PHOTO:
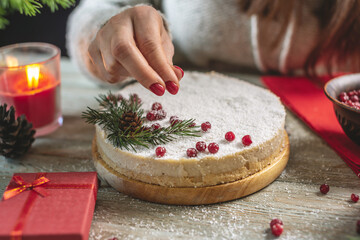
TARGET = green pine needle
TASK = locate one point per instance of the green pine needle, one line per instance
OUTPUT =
(111, 110)
(29, 7)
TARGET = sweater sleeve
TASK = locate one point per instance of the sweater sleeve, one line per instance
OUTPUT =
(84, 23)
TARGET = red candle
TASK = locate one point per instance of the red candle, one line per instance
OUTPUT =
(30, 81)
(33, 91)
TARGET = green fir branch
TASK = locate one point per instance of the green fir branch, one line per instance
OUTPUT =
(29, 7)
(112, 108)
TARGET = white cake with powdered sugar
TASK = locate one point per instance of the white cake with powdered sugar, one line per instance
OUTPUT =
(228, 104)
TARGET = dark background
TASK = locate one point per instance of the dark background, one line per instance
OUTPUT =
(47, 27)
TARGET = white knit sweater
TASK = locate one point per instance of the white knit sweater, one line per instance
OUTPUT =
(207, 32)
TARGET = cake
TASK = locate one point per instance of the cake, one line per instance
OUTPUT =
(229, 104)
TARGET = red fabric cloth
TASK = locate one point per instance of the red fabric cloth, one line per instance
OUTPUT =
(307, 100)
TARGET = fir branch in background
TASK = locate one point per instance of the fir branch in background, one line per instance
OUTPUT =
(112, 111)
(29, 7)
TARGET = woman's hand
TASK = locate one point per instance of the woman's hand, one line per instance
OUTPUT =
(135, 43)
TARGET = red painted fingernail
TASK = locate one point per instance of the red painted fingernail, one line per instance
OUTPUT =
(172, 87)
(158, 89)
(182, 71)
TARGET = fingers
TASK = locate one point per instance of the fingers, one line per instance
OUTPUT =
(135, 43)
(125, 51)
(149, 41)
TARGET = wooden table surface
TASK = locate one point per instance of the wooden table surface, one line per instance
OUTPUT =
(294, 197)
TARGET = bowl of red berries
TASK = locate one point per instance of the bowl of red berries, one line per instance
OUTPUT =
(344, 92)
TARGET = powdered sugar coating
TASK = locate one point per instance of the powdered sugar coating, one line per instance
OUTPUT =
(227, 103)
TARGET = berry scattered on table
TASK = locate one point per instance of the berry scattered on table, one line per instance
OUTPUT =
(354, 197)
(205, 126)
(156, 106)
(277, 229)
(151, 116)
(160, 151)
(155, 126)
(275, 221)
(230, 136)
(191, 152)
(201, 146)
(246, 140)
(350, 98)
(324, 188)
(213, 148)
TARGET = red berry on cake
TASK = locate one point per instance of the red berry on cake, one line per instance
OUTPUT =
(275, 221)
(354, 197)
(135, 98)
(160, 151)
(324, 188)
(201, 146)
(151, 116)
(191, 152)
(205, 126)
(277, 229)
(155, 126)
(174, 120)
(229, 136)
(156, 106)
(160, 114)
(213, 148)
(246, 140)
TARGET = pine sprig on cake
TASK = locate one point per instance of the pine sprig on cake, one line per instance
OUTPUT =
(123, 120)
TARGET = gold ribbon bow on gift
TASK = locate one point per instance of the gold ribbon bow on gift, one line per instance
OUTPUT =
(36, 186)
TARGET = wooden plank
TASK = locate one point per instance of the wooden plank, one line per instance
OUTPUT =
(294, 196)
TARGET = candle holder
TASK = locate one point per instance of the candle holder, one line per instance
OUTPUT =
(30, 81)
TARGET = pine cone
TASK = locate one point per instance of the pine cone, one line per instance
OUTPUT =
(16, 135)
(130, 122)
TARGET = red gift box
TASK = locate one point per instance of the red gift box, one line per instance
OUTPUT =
(48, 206)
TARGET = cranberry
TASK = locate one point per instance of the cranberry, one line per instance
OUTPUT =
(174, 120)
(135, 98)
(246, 140)
(349, 103)
(201, 146)
(155, 126)
(324, 188)
(205, 126)
(156, 106)
(354, 197)
(275, 221)
(277, 229)
(354, 98)
(191, 152)
(160, 114)
(151, 116)
(350, 98)
(230, 136)
(352, 93)
(213, 148)
(343, 97)
(160, 151)
(358, 226)
(192, 124)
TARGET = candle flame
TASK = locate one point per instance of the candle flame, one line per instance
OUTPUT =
(33, 75)
(11, 61)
